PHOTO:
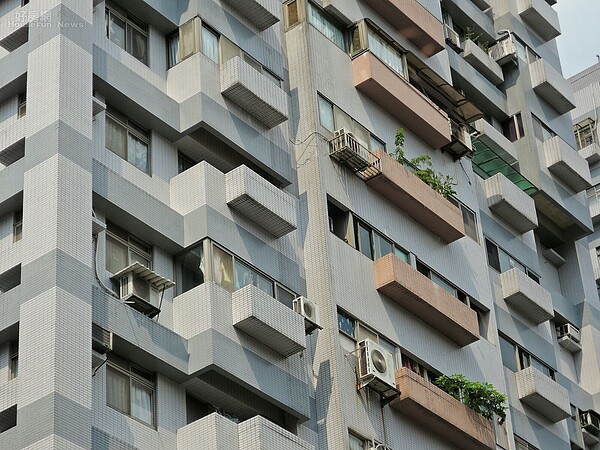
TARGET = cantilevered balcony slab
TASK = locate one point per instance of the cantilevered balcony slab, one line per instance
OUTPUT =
(418, 294)
(510, 203)
(591, 153)
(568, 165)
(260, 201)
(496, 141)
(548, 83)
(441, 413)
(252, 91)
(483, 4)
(397, 96)
(413, 21)
(259, 433)
(540, 16)
(417, 199)
(267, 320)
(526, 296)
(213, 431)
(543, 394)
(262, 13)
(483, 62)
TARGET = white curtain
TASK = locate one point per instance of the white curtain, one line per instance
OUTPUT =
(117, 390)
(384, 51)
(174, 50)
(116, 138)
(137, 153)
(210, 44)
(141, 402)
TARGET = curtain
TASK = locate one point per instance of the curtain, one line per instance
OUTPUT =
(117, 390)
(383, 50)
(321, 23)
(116, 255)
(222, 268)
(137, 43)
(137, 153)
(141, 402)
(116, 30)
(116, 138)
(210, 44)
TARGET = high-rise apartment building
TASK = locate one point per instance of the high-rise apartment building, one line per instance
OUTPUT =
(213, 234)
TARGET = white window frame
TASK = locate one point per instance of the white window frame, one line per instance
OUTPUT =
(133, 245)
(137, 132)
(130, 22)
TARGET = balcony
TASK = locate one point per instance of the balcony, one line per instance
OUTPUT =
(403, 101)
(419, 295)
(482, 4)
(526, 296)
(483, 62)
(591, 153)
(510, 203)
(550, 85)
(260, 201)
(441, 413)
(564, 162)
(413, 21)
(417, 199)
(541, 17)
(268, 321)
(496, 141)
(262, 13)
(252, 91)
(543, 394)
(218, 432)
(347, 150)
(259, 433)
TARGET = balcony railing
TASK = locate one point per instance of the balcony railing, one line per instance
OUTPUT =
(347, 150)
(461, 140)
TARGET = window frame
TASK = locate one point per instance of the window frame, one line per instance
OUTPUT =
(312, 10)
(131, 243)
(524, 359)
(133, 372)
(13, 360)
(17, 225)
(526, 270)
(134, 130)
(130, 22)
(513, 128)
(583, 137)
(21, 105)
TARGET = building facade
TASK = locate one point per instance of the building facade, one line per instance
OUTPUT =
(214, 235)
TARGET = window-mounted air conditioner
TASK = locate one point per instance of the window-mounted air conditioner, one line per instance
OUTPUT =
(452, 38)
(569, 337)
(376, 367)
(310, 311)
(141, 288)
(590, 422)
(102, 340)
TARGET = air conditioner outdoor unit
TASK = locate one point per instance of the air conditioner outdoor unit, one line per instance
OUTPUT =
(141, 288)
(376, 367)
(102, 340)
(504, 51)
(569, 337)
(310, 311)
(590, 422)
(452, 38)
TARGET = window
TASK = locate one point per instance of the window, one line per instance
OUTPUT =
(229, 50)
(22, 108)
(513, 128)
(469, 219)
(522, 444)
(24, 2)
(318, 19)
(184, 43)
(17, 225)
(593, 195)
(501, 261)
(130, 390)
(585, 133)
(291, 13)
(184, 163)
(128, 33)
(226, 270)
(13, 362)
(356, 443)
(123, 250)
(374, 245)
(128, 140)
(333, 118)
(419, 368)
(517, 358)
(10, 279)
(8, 418)
(387, 52)
(541, 131)
(210, 43)
(524, 52)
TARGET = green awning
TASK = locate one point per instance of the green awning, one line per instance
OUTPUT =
(487, 163)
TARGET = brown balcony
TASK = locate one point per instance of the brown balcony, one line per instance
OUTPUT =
(441, 413)
(403, 101)
(413, 21)
(418, 294)
(417, 199)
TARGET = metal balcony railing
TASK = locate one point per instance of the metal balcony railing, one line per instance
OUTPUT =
(346, 149)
